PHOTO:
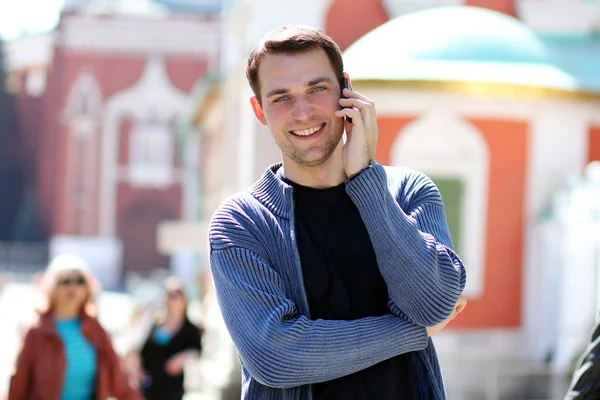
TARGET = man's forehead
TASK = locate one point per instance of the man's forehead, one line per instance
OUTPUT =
(277, 70)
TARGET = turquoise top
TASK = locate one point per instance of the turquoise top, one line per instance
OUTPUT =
(80, 375)
(161, 336)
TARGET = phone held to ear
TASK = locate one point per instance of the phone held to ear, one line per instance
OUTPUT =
(347, 85)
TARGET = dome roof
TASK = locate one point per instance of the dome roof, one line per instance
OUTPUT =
(455, 44)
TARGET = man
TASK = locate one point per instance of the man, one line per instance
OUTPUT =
(331, 271)
(585, 384)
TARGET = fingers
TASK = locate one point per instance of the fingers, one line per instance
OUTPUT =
(461, 304)
(356, 103)
(350, 94)
(357, 118)
(364, 105)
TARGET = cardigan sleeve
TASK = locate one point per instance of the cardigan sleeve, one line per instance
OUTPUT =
(413, 247)
(282, 349)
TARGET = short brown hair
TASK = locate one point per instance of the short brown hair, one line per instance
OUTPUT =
(290, 39)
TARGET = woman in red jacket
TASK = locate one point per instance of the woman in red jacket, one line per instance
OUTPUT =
(66, 354)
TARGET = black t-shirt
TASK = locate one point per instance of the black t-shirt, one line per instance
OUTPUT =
(343, 282)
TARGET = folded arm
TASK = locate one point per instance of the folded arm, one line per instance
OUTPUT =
(281, 349)
(413, 247)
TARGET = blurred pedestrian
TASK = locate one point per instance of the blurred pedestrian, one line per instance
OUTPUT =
(586, 379)
(66, 354)
(173, 341)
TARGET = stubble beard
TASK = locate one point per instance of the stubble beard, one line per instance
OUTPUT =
(334, 136)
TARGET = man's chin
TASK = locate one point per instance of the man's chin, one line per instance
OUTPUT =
(316, 161)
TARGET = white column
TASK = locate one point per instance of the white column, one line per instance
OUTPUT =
(577, 289)
(247, 142)
(557, 149)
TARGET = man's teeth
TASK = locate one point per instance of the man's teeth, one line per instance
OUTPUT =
(307, 132)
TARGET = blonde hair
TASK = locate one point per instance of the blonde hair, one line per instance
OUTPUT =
(68, 263)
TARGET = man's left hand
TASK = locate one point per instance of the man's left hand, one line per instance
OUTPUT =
(361, 133)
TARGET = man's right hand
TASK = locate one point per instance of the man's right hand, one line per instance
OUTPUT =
(458, 308)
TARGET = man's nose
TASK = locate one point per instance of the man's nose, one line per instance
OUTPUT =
(303, 109)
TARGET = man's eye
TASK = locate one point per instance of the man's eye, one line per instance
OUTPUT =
(280, 99)
(320, 88)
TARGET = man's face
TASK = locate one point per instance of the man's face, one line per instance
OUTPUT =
(300, 94)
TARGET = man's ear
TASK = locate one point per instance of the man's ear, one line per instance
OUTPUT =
(258, 111)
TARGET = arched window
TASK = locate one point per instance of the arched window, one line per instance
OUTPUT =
(455, 156)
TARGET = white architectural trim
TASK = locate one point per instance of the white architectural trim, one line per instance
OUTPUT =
(82, 114)
(442, 144)
(557, 151)
(397, 8)
(566, 17)
(183, 36)
(593, 113)
(123, 175)
(153, 98)
(85, 88)
(247, 142)
(398, 102)
(259, 22)
(29, 52)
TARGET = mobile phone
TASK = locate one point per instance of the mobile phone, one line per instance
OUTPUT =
(346, 85)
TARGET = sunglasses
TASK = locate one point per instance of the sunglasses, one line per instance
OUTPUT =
(78, 281)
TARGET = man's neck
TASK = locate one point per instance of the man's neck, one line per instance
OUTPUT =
(327, 175)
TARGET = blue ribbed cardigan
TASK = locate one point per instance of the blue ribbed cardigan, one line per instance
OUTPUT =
(258, 281)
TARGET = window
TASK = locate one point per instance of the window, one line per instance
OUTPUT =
(451, 190)
(150, 155)
(455, 156)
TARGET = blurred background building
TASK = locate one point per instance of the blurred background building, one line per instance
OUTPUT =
(134, 124)
(99, 100)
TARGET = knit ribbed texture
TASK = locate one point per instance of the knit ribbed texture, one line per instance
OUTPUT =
(259, 286)
(412, 244)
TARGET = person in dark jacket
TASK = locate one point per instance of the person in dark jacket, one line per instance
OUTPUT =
(172, 341)
(585, 384)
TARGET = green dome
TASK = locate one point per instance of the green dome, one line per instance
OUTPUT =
(455, 44)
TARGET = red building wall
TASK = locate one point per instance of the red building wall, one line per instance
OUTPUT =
(138, 211)
(113, 73)
(594, 143)
(348, 20)
(504, 6)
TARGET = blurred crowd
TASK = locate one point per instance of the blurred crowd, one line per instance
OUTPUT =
(77, 343)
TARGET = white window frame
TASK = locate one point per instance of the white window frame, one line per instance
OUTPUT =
(444, 145)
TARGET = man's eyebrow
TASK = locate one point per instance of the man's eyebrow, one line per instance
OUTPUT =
(275, 92)
(319, 80)
(313, 82)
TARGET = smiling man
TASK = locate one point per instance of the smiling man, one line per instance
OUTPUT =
(332, 271)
